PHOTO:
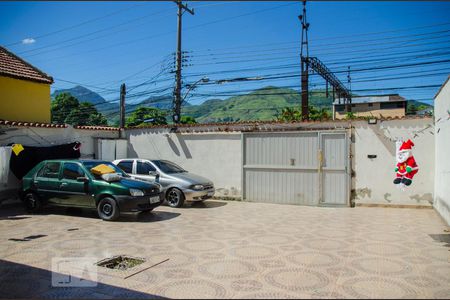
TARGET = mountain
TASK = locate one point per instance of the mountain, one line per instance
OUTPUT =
(262, 104)
(82, 94)
(111, 109)
(419, 105)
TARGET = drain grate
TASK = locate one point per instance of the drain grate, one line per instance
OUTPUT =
(120, 262)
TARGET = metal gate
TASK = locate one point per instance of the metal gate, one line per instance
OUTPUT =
(304, 168)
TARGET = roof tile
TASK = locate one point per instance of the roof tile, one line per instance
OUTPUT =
(50, 125)
(13, 66)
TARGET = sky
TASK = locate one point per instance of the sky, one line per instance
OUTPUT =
(390, 47)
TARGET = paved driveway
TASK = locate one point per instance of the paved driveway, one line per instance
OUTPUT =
(233, 250)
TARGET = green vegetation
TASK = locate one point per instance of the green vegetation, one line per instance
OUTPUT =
(66, 109)
(411, 109)
(187, 120)
(264, 104)
(320, 114)
(289, 114)
(143, 115)
(350, 115)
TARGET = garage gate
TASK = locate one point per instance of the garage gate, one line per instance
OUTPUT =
(304, 168)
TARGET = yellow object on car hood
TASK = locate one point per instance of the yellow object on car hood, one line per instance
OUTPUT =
(102, 169)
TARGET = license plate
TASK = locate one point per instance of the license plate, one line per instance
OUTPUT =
(154, 199)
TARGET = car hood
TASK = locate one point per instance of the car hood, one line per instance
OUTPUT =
(135, 184)
(191, 178)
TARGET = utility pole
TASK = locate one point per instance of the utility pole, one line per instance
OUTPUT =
(177, 92)
(349, 96)
(304, 63)
(123, 91)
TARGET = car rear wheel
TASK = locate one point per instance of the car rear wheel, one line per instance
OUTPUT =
(32, 203)
(107, 209)
(175, 198)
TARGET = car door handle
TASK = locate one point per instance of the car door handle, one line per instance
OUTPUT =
(63, 184)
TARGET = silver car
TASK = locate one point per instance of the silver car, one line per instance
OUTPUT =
(178, 184)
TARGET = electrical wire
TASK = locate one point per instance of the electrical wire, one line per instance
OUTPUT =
(120, 11)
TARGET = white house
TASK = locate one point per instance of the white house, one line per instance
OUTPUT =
(442, 147)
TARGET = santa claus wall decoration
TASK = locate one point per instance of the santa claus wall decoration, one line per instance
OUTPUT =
(406, 164)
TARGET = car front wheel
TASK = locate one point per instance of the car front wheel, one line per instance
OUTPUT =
(107, 209)
(175, 198)
(32, 203)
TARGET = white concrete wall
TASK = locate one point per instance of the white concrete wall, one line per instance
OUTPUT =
(38, 136)
(216, 156)
(442, 171)
(372, 183)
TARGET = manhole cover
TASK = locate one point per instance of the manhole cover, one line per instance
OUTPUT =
(120, 262)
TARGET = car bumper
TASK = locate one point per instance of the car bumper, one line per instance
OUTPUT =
(135, 204)
(191, 195)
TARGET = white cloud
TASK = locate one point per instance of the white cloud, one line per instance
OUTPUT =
(28, 41)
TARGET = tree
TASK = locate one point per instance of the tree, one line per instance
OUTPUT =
(411, 109)
(318, 114)
(62, 106)
(289, 114)
(147, 115)
(66, 109)
(188, 120)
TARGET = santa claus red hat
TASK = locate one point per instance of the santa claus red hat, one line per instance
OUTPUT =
(406, 146)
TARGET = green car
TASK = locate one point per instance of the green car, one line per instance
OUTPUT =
(70, 183)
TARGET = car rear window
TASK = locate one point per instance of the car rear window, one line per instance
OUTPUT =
(126, 166)
(168, 167)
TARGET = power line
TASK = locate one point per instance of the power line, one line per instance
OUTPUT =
(79, 24)
(86, 35)
(161, 34)
(341, 61)
(258, 53)
(258, 93)
(216, 50)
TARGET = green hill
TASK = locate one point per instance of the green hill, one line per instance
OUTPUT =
(263, 104)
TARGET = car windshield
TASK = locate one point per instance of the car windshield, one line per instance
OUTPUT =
(92, 164)
(168, 167)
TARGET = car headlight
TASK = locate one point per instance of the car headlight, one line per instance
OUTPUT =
(197, 187)
(136, 192)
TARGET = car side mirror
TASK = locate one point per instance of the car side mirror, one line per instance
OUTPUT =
(82, 179)
(156, 174)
